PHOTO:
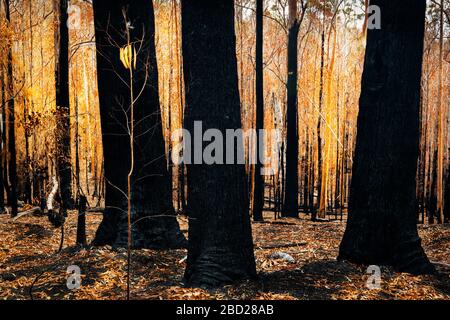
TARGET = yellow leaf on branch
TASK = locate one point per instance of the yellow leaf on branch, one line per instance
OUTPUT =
(128, 56)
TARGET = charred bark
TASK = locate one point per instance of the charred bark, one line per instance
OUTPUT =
(220, 240)
(258, 196)
(382, 228)
(63, 161)
(154, 222)
(290, 206)
(319, 127)
(2, 128)
(81, 221)
(12, 164)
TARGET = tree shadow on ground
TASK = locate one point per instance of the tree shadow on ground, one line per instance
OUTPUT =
(49, 272)
(440, 281)
(318, 280)
(163, 266)
(29, 230)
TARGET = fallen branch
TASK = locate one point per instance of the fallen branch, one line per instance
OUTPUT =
(34, 210)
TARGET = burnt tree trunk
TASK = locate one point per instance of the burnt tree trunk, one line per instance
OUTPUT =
(258, 196)
(4, 141)
(290, 205)
(2, 129)
(12, 165)
(81, 221)
(319, 126)
(220, 239)
(154, 223)
(63, 161)
(381, 226)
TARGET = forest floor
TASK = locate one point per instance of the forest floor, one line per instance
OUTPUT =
(31, 268)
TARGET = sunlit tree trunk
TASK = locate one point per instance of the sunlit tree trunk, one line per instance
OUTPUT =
(442, 114)
(432, 201)
(381, 227)
(325, 164)
(306, 171)
(220, 240)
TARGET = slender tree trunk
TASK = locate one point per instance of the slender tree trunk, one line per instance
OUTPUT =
(319, 126)
(178, 53)
(2, 129)
(442, 115)
(77, 148)
(31, 188)
(381, 227)
(170, 122)
(258, 193)
(220, 239)
(337, 194)
(5, 152)
(26, 101)
(63, 161)
(153, 219)
(11, 124)
(80, 198)
(290, 206)
(421, 162)
(87, 130)
(432, 201)
(311, 173)
(81, 221)
(306, 169)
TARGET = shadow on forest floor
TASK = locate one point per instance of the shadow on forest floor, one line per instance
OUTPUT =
(330, 279)
(316, 280)
(29, 258)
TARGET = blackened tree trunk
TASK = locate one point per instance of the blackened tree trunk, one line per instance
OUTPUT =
(220, 240)
(81, 221)
(63, 105)
(447, 196)
(2, 128)
(319, 125)
(154, 223)
(290, 205)
(4, 154)
(258, 196)
(382, 228)
(29, 107)
(12, 199)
